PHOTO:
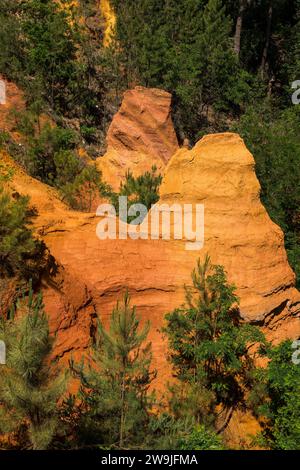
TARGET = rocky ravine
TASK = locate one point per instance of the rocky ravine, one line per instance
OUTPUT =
(92, 274)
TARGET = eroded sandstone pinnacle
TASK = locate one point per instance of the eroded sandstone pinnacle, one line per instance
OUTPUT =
(239, 234)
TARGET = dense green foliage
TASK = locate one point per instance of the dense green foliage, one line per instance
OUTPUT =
(209, 346)
(188, 53)
(143, 189)
(46, 45)
(29, 387)
(276, 399)
(45, 51)
(44, 156)
(186, 46)
(21, 255)
(115, 383)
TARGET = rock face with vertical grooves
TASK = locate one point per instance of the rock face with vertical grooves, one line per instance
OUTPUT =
(141, 135)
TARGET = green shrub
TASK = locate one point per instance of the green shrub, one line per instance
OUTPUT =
(276, 400)
(67, 167)
(201, 439)
(30, 388)
(140, 190)
(40, 162)
(87, 185)
(21, 255)
(208, 346)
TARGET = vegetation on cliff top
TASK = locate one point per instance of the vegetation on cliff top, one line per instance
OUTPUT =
(229, 65)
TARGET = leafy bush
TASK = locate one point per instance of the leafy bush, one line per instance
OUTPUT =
(67, 167)
(276, 400)
(87, 185)
(201, 439)
(140, 190)
(43, 149)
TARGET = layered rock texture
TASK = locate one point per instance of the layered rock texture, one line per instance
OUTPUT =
(140, 136)
(219, 173)
(92, 274)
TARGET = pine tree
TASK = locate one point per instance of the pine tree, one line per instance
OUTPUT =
(114, 386)
(141, 32)
(51, 47)
(208, 77)
(220, 76)
(21, 256)
(30, 386)
(143, 189)
(209, 346)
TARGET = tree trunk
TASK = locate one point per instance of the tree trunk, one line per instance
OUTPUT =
(268, 38)
(122, 419)
(239, 28)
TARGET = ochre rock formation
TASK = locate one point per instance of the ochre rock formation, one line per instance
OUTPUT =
(65, 296)
(141, 135)
(219, 173)
(92, 274)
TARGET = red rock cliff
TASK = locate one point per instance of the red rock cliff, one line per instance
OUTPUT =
(92, 274)
(141, 135)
